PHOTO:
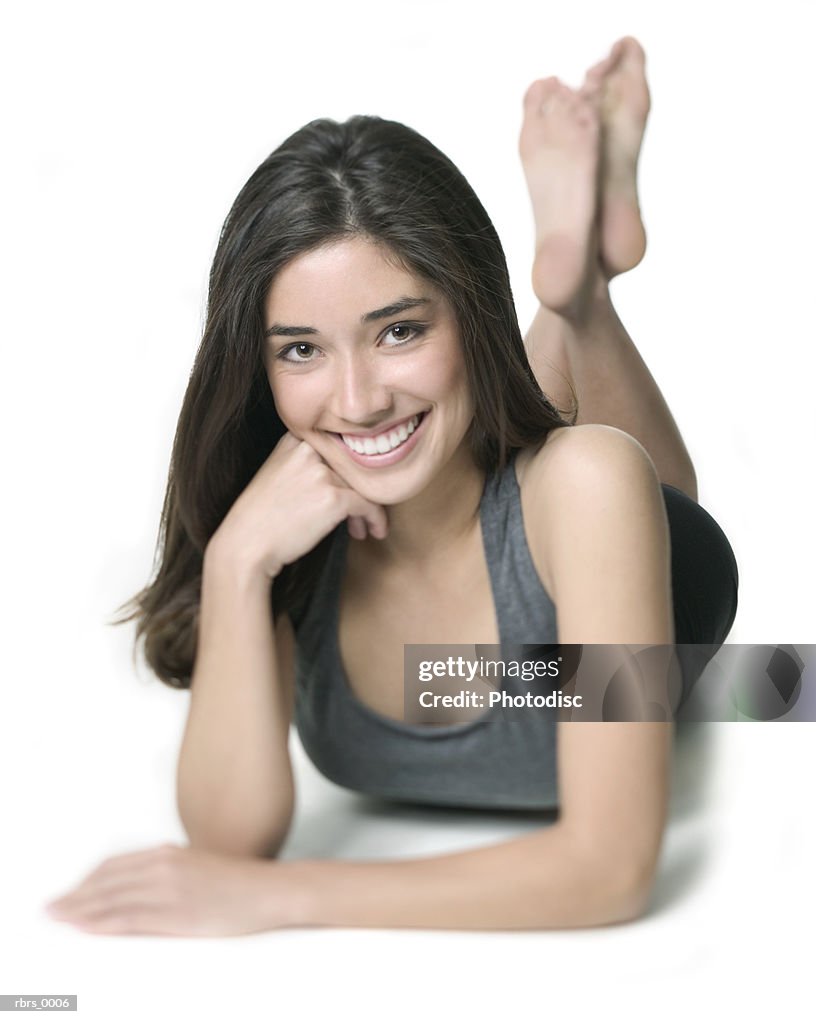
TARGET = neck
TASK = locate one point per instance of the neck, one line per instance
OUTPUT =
(424, 530)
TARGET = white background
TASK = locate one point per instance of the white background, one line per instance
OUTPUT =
(127, 132)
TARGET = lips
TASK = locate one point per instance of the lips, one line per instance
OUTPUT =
(381, 444)
(386, 448)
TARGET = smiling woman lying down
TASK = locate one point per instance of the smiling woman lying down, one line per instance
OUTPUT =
(370, 455)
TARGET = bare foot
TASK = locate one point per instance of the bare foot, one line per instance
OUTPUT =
(559, 148)
(618, 90)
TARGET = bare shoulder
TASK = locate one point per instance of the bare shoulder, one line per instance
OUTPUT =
(590, 448)
(577, 467)
(597, 530)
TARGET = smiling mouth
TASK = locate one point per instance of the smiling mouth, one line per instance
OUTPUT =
(380, 444)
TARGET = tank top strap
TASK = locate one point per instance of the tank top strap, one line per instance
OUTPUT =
(525, 611)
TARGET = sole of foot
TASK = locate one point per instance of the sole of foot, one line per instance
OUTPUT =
(559, 148)
(618, 90)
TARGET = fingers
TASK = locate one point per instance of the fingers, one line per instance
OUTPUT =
(364, 516)
(377, 523)
(373, 517)
(368, 520)
(111, 872)
(357, 527)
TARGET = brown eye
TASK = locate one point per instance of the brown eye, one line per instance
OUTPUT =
(404, 332)
(300, 352)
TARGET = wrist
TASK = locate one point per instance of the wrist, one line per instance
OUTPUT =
(226, 559)
(290, 894)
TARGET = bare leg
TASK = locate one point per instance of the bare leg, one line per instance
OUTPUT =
(576, 339)
(614, 386)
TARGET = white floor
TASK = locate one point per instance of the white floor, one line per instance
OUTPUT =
(730, 929)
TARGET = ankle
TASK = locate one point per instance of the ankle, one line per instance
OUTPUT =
(591, 305)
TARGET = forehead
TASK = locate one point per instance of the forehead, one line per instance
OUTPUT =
(342, 278)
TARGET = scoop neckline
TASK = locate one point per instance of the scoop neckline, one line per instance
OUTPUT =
(396, 724)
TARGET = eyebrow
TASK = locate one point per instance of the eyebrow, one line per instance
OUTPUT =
(393, 309)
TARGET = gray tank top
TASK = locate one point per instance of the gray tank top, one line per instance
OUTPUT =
(495, 761)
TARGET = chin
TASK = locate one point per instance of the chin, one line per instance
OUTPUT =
(387, 493)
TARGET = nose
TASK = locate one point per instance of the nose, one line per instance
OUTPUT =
(361, 393)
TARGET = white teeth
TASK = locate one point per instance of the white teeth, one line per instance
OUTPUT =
(382, 443)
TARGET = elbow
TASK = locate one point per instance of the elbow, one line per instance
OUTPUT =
(614, 885)
(237, 846)
(235, 841)
(625, 869)
(629, 893)
(604, 889)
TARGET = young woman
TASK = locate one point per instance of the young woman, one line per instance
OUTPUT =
(368, 456)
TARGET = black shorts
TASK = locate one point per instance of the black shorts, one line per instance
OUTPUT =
(705, 581)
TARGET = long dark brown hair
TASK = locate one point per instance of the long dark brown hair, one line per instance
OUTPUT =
(328, 181)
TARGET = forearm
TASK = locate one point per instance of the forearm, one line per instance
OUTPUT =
(538, 881)
(235, 787)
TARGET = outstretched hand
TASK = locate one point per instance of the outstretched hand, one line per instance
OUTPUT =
(178, 890)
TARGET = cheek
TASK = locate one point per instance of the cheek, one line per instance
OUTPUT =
(294, 399)
(453, 381)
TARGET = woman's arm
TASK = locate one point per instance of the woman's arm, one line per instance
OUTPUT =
(549, 879)
(235, 785)
(603, 532)
(604, 535)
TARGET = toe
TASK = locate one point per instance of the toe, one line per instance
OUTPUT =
(631, 51)
(593, 85)
(566, 96)
(541, 90)
(531, 96)
(601, 69)
(617, 52)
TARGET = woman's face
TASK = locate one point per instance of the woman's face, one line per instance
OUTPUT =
(365, 364)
